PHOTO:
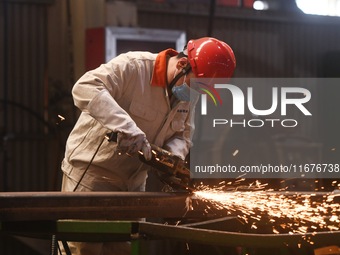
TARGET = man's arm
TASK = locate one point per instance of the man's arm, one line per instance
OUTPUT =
(96, 93)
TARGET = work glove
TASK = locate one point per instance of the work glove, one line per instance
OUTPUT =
(132, 143)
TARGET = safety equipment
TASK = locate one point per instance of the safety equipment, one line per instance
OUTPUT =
(211, 58)
(170, 169)
(181, 92)
(184, 92)
(132, 143)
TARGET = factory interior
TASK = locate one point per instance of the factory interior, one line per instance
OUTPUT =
(48, 45)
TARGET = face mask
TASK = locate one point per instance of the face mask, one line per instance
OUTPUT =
(181, 92)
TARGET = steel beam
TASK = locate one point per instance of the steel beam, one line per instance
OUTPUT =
(95, 231)
(224, 238)
(22, 206)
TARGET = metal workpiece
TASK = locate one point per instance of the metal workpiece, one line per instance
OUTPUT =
(22, 206)
(195, 234)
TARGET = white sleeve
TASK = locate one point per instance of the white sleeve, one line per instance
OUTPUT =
(96, 90)
(107, 111)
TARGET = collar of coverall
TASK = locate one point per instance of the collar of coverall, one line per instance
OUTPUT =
(159, 78)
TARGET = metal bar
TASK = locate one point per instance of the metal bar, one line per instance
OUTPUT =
(115, 230)
(222, 238)
(4, 172)
(21, 206)
(211, 17)
(93, 231)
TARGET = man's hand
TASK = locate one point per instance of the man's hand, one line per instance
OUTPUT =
(131, 144)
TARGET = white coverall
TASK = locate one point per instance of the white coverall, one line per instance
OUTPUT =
(128, 94)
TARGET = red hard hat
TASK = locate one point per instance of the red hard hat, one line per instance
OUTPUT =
(211, 58)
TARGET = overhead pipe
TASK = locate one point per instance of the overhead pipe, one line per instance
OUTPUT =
(211, 17)
(4, 185)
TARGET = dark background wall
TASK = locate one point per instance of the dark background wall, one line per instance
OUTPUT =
(38, 72)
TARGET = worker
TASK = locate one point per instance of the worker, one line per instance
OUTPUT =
(144, 98)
